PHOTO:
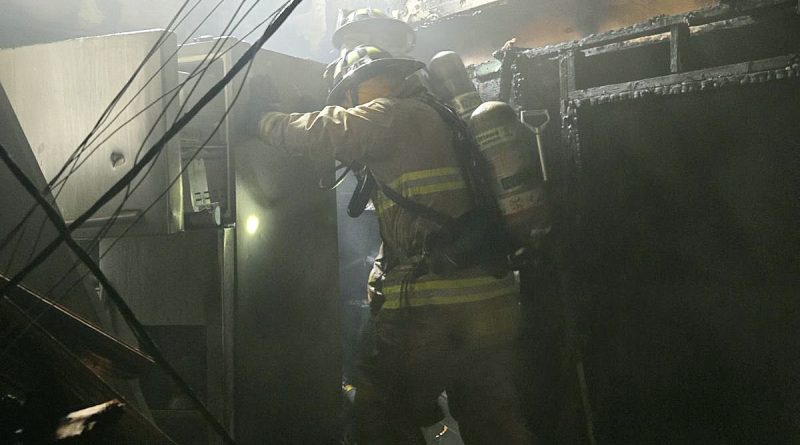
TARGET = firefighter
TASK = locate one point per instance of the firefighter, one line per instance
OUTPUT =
(429, 331)
(369, 26)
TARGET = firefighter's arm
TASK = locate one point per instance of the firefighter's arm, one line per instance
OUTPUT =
(347, 134)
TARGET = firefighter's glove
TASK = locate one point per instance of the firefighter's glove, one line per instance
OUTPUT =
(265, 123)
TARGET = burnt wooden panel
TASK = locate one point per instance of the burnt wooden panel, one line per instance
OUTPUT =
(52, 381)
(688, 250)
(675, 240)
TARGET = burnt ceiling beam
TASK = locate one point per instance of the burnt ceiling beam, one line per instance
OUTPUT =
(662, 24)
(758, 71)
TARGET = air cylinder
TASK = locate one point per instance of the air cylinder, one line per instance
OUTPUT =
(514, 173)
(452, 83)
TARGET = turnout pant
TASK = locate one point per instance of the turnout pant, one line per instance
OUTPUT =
(413, 354)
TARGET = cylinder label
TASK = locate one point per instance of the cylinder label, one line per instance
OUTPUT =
(520, 201)
(495, 136)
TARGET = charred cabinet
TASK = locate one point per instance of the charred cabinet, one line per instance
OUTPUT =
(677, 163)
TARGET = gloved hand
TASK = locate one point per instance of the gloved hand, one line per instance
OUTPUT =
(257, 122)
(266, 120)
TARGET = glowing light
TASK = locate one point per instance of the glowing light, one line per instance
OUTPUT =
(252, 224)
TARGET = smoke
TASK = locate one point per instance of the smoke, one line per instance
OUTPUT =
(306, 34)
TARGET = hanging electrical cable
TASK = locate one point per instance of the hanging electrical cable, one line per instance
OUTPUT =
(158, 100)
(138, 329)
(78, 162)
(155, 201)
(153, 76)
(215, 49)
(104, 230)
(65, 231)
(219, 44)
(288, 7)
(159, 145)
(104, 115)
(121, 92)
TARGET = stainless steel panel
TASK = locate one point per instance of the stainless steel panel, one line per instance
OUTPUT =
(181, 287)
(166, 280)
(60, 89)
(288, 341)
(287, 317)
(55, 277)
(273, 79)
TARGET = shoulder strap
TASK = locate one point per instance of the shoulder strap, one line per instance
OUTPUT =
(422, 210)
(473, 166)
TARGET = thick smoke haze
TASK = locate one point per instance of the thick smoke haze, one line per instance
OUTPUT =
(306, 34)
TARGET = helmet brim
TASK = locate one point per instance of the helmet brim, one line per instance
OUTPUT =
(362, 26)
(404, 67)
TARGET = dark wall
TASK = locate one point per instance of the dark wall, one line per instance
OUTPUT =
(689, 252)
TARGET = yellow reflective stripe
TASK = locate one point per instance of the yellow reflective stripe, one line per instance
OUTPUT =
(433, 188)
(405, 184)
(386, 203)
(448, 291)
(394, 301)
(425, 174)
(445, 284)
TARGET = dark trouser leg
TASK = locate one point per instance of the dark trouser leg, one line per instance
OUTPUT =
(485, 401)
(384, 416)
(385, 403)
(398, 381)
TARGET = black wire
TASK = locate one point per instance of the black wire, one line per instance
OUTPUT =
(216, 48)
(158, 100)
(136, 326)
(101, 119)
(106, 227)
(155, 125)
(121, 92)
(13, 254)
(225, 30)
(115, 214)
(77, 163)
(73, 159)
(160, 196)
(65, 231)
(130, 190)
(143, 87)
(159, 145)
(162, 38)
(221, 42)
(132, 118)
